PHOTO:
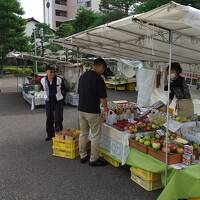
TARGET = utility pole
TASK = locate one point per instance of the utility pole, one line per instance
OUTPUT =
(35, 42)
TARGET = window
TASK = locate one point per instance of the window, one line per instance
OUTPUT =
(61, 13)
(58, 24)
(61, 2)
(88, 4)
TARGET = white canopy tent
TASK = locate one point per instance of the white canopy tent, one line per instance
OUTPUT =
(145, 37)
(170, 33)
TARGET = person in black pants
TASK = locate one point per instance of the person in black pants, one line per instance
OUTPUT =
(55, 91)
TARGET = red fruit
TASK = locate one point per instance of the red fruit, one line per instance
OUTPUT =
(173, 148)
(164, 149)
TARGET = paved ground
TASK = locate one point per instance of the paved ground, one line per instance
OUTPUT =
(28, 171)
(8, 84)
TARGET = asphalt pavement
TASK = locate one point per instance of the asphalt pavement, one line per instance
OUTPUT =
(28, 171)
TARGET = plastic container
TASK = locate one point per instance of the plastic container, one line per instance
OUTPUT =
(108, 158)
(145, 175)
(147, 185)
(121, 87)
(65, 154)
(131, 86)
(66, 144)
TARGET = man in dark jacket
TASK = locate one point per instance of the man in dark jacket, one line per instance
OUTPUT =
(92, 93)
(55, 91)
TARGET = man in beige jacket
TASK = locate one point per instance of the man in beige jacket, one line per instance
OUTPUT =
(92, 93)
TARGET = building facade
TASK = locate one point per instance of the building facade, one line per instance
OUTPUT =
(58, 11)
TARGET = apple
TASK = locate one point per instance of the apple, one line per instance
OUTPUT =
(180, 150)
(153, 126)
(137, 138)
(178, 119)
(156, 145)
(141, 141)
(147, 143)
(157, 136)
(164, 149)
(147, 137)
(173, 148)
(148, 128)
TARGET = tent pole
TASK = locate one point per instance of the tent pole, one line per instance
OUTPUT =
(168, 104)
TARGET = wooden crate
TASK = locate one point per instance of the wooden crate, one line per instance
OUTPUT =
(172, 158)
(140, 147)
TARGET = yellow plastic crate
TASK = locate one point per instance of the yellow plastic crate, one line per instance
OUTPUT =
(109, 159)
(121, 87)
(145, 175)
(66, 144)
(131, 86)
(147, 185)
(65, 154)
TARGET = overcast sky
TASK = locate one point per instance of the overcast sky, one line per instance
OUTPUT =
(33, 8)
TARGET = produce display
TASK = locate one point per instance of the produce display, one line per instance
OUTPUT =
(134, 127)
(148, 132)
(154, 144)
(67, 134)
(158, 119)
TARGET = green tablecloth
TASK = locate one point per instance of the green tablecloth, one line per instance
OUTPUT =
(144, 161)
(182, 184)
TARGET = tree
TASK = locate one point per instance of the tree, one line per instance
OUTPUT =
(43, 34)
(151, 4)
(124, 6)
(66, 29)
(12, 26)
(85, 19)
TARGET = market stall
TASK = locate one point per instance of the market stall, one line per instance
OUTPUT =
(30, 86)
(167, 34)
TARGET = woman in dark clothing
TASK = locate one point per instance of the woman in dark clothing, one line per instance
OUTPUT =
(178, 86)
(180, 90)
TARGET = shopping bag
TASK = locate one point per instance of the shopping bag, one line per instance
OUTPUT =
(185, 107)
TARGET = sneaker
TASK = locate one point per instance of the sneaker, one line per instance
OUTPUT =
(48, 139)
(84, 160)
(98, 163)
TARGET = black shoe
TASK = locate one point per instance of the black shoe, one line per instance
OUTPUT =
(98, 163)
(84, 160)
(48, 139)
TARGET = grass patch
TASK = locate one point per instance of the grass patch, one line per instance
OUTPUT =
(14, 70)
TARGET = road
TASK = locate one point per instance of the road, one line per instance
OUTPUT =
(28, 170)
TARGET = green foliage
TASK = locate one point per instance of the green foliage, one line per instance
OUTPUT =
(85, 19)
(41, 68)
(151, 4)
(17, 70)
(43, 34)
(12, 28)
(123, 6)
(66, 29)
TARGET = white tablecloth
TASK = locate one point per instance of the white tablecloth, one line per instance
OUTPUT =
(115, 142)
(34, 100)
